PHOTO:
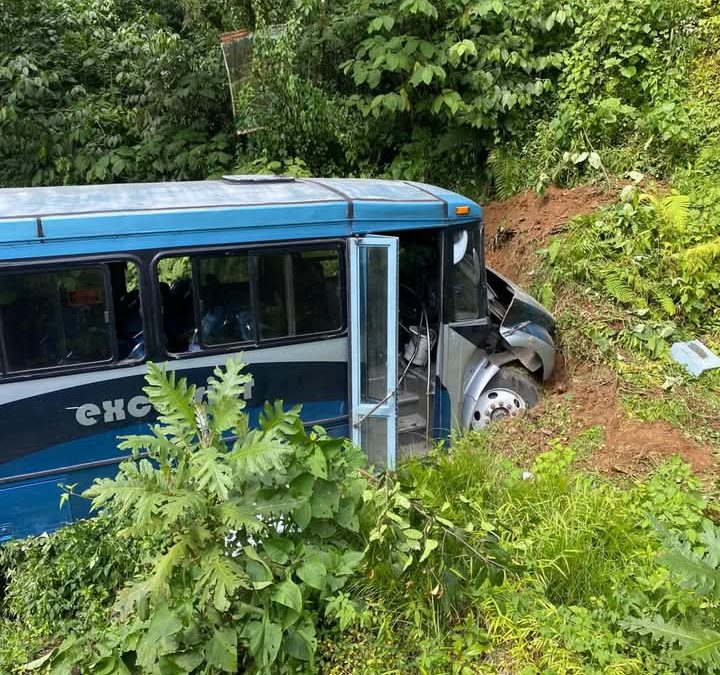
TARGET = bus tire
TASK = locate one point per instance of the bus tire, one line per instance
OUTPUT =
(512, 390)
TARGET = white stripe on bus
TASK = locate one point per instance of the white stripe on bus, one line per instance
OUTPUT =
(323, 351)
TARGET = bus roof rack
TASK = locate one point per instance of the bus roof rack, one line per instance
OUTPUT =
(257, 178)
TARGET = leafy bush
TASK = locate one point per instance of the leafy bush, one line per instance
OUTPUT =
(649, 256)
(60, 578)
(260, 535)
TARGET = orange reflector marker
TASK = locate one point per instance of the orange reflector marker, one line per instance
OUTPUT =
(462, 210)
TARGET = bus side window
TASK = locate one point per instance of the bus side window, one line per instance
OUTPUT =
(317, 291)
(54, 318)
(300, 293)
(225, 311)
(178, 311)
(276, 317)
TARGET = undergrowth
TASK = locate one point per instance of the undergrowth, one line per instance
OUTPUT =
(589, 566)
(473, 562)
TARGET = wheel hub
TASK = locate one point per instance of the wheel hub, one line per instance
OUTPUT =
(496, 404)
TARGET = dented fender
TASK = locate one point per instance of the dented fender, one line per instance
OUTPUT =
(526, 326)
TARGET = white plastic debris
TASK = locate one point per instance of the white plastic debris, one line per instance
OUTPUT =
(695, 356)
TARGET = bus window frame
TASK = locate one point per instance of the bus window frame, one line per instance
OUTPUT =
(65, 262)
(3, 351)
(253, 250)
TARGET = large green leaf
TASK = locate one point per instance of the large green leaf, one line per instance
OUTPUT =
(302, 515)
(287, 593)
(174, 400)
(317, 464)
(160, 636)
(301, 642)
(264, 639)
(222, 650)
(278, 549)
(211, 472)
(313, 573)
(258, 454)
(347, 516)
(325, 500)
(225, 393)
(220, 576)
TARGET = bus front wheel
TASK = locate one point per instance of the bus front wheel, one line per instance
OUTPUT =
(510, 391)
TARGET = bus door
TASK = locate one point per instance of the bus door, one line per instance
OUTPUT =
(373, 346)
(465, 326)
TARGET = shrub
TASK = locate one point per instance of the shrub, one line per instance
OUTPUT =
(650, 255)
(68, 577)
(261, 532)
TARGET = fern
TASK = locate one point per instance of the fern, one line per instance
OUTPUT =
(672, 209)
(507, 173)
(220, 577)
(694, 571)
(258, 453)
(211, 474)
(616, 283)
(700, 258)
(667, 304)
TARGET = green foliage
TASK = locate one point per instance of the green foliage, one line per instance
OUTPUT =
(650, 257)
(624, 74)
(259, 533)
(109, 90)
(461, 563)
(690, 638)
(507, 173)
(427, 90)
(65, 581)
(61, 578)
(580, 562)
(286, 118)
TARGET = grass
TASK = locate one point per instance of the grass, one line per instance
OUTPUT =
(580, 558)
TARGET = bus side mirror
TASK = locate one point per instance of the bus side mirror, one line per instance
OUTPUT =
(460, 242)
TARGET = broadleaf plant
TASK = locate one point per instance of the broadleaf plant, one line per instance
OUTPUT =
(260, 529)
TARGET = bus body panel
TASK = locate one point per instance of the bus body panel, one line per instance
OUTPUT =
(65, 429)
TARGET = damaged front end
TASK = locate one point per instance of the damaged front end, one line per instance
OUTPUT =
(526, 328)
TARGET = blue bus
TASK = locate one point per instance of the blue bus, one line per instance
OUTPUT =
(366, 301)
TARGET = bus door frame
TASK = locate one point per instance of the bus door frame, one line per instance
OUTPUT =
(373, 416)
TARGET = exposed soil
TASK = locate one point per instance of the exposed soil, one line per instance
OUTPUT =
(515, 229)
(630, 446)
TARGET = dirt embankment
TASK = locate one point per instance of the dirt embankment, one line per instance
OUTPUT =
(515, 230)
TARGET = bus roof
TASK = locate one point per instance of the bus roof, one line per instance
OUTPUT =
(81, 219)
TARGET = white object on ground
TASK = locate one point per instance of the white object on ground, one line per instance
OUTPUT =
(695, 356)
